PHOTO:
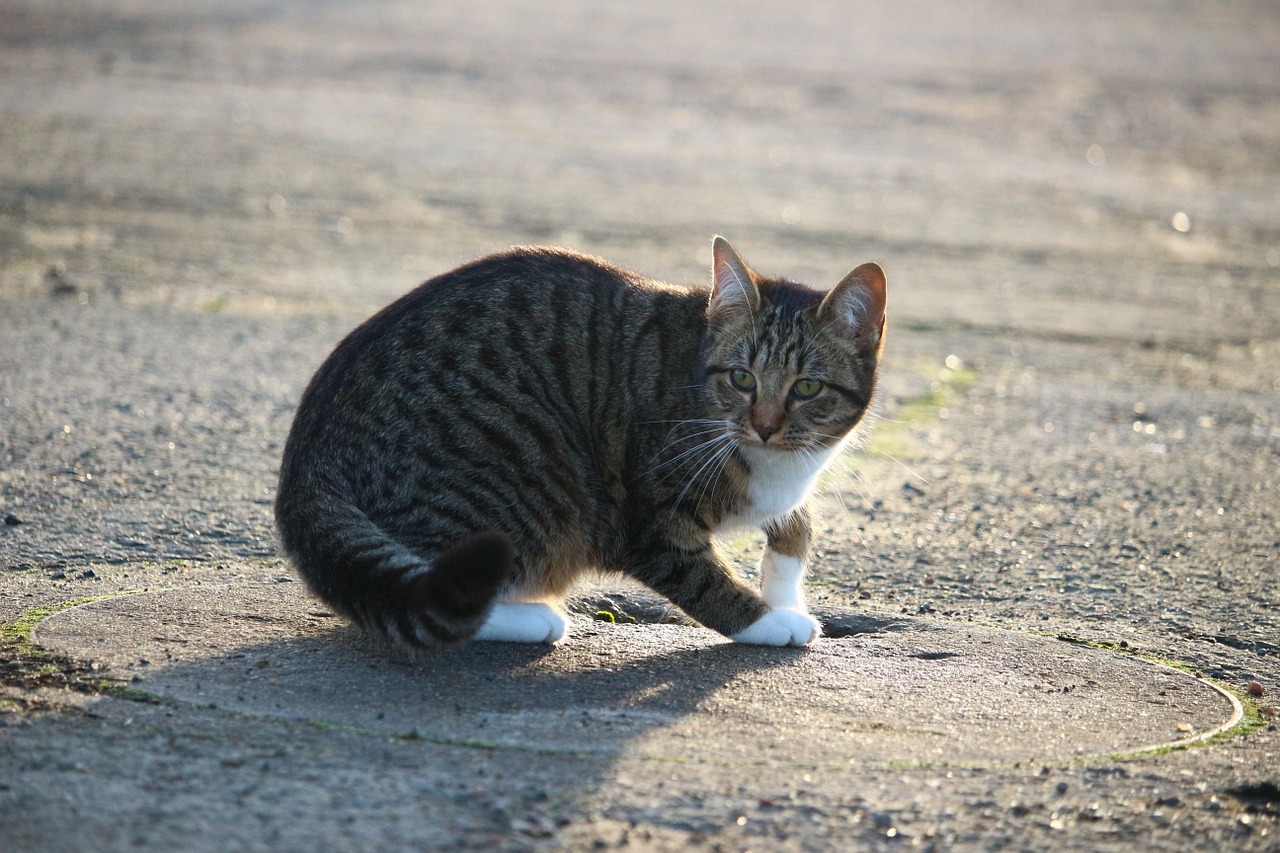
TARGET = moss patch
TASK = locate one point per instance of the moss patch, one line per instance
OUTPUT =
(29, 667)
(893, 437)
(1250, 720)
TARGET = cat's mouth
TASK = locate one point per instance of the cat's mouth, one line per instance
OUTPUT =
(780, 443)
(787, 440)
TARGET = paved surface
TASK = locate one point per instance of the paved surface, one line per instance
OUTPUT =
(919, 693)
(1077, 207)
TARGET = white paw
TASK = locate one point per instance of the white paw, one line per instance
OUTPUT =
(523, 622)
(781, 628)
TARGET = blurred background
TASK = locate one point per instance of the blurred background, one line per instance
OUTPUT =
(1079, 167)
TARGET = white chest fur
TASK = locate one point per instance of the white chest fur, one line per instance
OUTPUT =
(780, 482)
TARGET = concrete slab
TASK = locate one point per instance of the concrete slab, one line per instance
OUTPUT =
(917, 692)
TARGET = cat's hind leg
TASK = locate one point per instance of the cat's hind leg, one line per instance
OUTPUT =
(523, 622)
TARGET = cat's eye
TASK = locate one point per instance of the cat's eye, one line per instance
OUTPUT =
(742, 379)
(806, 389)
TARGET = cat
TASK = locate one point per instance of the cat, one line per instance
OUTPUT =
(468, 452)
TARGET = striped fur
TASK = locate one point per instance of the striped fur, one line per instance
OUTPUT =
(536, 414)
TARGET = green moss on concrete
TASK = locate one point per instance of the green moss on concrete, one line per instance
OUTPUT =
(893, 436)
(1250, 719)
(31, 666)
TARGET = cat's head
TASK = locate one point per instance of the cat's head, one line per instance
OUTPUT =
(789, 367)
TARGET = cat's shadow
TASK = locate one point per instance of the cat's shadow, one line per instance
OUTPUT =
(570, 716)
(605, 687)
(643, 667)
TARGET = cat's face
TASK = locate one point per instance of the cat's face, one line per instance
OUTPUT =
(791, 368)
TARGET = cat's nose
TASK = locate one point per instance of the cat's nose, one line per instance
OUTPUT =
(765, 429)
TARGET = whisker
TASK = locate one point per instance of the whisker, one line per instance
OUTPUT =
(676, 424)
(702, 445)
(719, 459)
(858, 483)
(685, 421)
(720, 453)
(903, 465)
(708, 430)
(839, 496)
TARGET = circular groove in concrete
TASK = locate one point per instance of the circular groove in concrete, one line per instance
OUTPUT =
(925, 692)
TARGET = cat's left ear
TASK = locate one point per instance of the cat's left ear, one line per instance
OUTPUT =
(859, 302)
(733, 291)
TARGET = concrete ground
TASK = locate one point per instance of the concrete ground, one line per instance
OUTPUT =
(1073, 477)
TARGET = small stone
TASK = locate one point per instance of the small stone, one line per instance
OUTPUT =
(12, 520)
(59, 285)
(1184, 727)
(1254, 688)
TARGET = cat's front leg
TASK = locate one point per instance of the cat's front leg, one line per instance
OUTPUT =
(780, 627)
(782, 586)
(782, 581)
(693, 576)
(782, 568)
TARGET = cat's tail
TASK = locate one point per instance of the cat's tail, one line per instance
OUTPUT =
(416, 603)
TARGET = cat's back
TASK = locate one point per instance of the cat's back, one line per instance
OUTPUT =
(537, 307)
(532, 290)
(573, 330)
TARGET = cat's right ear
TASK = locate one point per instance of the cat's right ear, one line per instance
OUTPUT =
(733, 291)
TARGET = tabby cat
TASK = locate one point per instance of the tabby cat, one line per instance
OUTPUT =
(466, 454)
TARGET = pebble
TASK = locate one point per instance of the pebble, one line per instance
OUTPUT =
(12, 520)
(1254, 688)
